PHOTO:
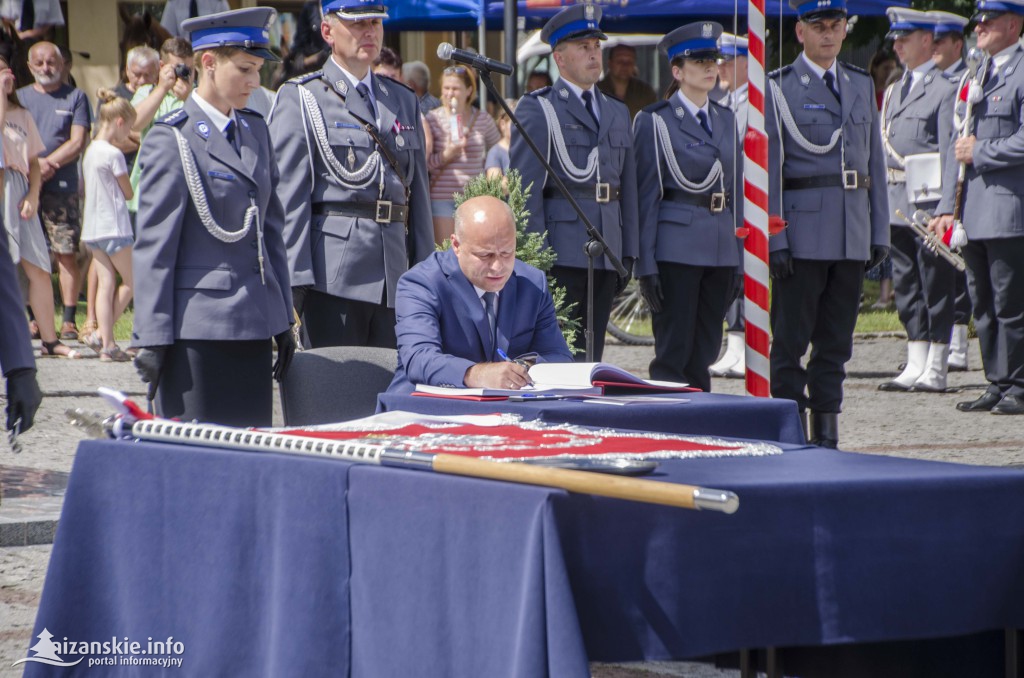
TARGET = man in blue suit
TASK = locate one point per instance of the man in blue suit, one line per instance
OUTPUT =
(458, 310)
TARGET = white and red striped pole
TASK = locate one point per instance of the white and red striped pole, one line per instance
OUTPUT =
(755, 210)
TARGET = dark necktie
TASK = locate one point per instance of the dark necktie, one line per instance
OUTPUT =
(28, 15)
(588, 101)
(908, 82)
(193, 9)
(365, 92)
(229, 132)
(830, 82)
(492, 318)
(702, 118)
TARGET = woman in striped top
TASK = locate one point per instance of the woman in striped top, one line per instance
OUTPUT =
(462, 136)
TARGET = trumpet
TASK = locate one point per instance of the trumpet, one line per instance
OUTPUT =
(919, 224)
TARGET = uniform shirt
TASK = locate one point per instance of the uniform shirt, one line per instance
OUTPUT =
(176, 11)
(917, 75)
(355, 82)
(55, 114)
(578, 91)
(693, 108)
(819, 71)
(106, 212)
(219, 120)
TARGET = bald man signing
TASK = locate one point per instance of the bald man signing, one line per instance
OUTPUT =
(458, 310)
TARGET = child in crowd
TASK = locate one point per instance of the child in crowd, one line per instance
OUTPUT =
(22, 180)
(106, 228)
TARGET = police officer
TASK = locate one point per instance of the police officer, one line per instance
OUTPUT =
(687, 178)
(588, 134)
(821, 115)
(211, 269)
(732, 73)
(357, 207)
(917, 119)
(949, 52)
(16, 361)
(993, 157)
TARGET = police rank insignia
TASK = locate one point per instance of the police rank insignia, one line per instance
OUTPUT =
(203, 129)
(805, 79)
(564, 93)
(679, 111)
(341, 86)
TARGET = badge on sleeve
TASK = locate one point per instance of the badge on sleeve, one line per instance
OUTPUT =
(203, 129)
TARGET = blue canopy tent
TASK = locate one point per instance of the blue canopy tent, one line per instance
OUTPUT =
(634, 16)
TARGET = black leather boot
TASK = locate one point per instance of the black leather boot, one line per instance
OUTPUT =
(805, 424)
(824, 429)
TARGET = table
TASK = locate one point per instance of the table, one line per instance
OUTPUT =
(264, 564)
(711, 414)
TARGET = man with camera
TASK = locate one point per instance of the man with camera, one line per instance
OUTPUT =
(152, 102)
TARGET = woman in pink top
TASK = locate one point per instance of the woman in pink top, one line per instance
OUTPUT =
(462, 136)
(22, 180)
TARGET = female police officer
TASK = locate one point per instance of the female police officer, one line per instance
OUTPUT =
(686, 174)
(212, 282)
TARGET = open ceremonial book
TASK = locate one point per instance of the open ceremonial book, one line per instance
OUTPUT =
(567, 379)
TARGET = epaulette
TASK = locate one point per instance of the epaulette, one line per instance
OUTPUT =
(656, 106)
(397, 82)
(304, 78)
(174, 118)
(779, 72)
(613, 97)
(249, 111)
(855, 69)
(539, 92)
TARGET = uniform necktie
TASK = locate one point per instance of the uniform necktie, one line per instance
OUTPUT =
(830, 82)
(908, 82)
(28, 15)
(229, 132)
(365, 92)
(193, 9)
(702, 118)
(492, 318)
(588, 101)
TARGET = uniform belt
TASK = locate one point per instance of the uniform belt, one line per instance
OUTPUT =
(715, 202)
(849, 180)
(896, 176)
(598, 192)
(382, 211)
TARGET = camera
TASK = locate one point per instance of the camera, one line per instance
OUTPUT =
(183, 72)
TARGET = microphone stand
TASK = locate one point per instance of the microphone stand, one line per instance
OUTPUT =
(596, 245)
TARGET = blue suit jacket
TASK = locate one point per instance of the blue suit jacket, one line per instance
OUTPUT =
(442, 329)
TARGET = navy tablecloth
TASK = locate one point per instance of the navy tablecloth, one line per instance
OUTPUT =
(710, 414)
(268, 565)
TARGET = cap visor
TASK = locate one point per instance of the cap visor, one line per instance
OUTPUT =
(359, 16)
(824, 14)
(585, 35)
(262, 53)
(987, 15)
(701, 54)
(892, 35)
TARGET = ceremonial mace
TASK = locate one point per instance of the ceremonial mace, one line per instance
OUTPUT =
(132, 422)
(977, 68)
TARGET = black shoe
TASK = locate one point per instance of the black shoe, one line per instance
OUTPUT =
(1010, 404)
(983, 404)
(824, 429)
(893, 386)
(957, 368)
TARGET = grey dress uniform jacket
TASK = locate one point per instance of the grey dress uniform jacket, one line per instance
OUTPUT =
(15, 344)
(350, 257)
(921, 124)
(830, 223)
(616, 220)
(188, 283)
(994, 183)
(671, 230)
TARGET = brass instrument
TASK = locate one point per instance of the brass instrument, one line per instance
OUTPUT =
(919, 225)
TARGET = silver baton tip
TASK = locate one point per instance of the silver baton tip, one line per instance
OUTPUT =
(707, 499)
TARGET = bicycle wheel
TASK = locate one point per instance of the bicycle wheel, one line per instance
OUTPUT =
(630, 321)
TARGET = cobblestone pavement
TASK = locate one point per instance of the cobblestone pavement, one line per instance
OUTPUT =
(921, 426)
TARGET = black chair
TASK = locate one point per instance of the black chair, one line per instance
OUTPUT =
(337, 383)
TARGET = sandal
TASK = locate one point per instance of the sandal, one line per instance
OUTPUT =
(88, 328)
(52, 349)
(114, 355)
(69, 331)
(93, 340)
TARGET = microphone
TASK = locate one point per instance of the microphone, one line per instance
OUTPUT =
(447, 52)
